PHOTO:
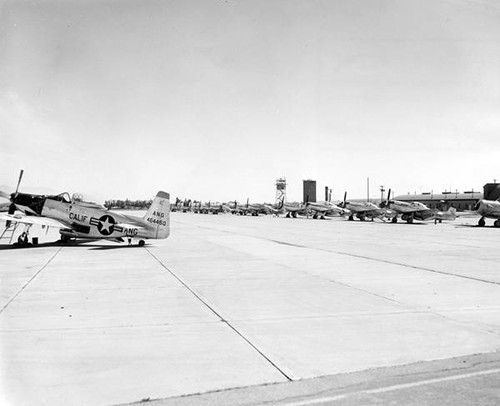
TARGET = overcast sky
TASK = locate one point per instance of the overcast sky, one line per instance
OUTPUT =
(214, 100)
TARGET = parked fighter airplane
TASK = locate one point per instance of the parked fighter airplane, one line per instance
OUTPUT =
(183, 206)
(277, 208)
(488, 209)
(362, 210)
(408, 210)
(293, 209)
(322, 209)
(439, 215)
(208, 208)
(249, 208)
(77, 219)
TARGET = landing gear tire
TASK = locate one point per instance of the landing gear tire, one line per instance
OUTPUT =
(65, 238)
(351, 218)
(497, 223)
(141, 243)
(394, 220)
(410, 220)
(481, 222)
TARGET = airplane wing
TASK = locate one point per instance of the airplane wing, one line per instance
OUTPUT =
(42, 221)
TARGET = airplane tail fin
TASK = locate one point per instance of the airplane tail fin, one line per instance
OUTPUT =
(158, 215)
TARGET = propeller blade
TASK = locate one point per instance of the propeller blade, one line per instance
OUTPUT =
(12, 208)
(19, 182)
(345, 197)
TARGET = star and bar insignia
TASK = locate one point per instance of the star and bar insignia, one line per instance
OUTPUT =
(105, 224)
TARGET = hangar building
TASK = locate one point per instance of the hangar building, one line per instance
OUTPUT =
(461, 201)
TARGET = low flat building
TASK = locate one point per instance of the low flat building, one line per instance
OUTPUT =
(460, 201)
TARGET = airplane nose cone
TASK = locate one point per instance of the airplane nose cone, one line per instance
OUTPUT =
(477, 205)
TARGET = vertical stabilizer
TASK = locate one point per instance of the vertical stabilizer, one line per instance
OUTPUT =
(159, 215)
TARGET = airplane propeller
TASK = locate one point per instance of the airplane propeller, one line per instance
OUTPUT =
(12, 196)
(387, 202)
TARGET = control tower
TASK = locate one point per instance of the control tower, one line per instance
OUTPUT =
(280, 191)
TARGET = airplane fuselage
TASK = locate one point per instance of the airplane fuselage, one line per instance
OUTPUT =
(84, 222)
(489, 208)
(357, 207)
(89, 220)
(408, 207)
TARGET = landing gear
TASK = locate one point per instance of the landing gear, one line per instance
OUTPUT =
(141, 243)
(497, 223)
(394, 220)
(481, 222)
(351, 217)
(65, 238)
(410, 220)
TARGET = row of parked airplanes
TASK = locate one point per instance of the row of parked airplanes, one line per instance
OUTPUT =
(389, 209)
(76, 219)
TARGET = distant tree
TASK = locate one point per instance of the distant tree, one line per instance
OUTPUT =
(127, 204)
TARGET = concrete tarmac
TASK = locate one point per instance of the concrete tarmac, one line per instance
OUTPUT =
(244, 302)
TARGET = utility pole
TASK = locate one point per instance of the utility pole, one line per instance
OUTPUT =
(382, 190)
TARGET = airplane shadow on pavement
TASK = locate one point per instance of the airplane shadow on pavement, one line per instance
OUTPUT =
(82, 244)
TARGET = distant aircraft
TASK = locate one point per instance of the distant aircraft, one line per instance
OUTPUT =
(249, 208)
(322, 209)
(293, 209)
(407, 210)
(440, 216)
(362, 210)
(209, 208)
(488, 209)
(277, 208)
(180, 205)
(78, 219)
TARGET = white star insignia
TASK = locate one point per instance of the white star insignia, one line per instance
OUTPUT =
(106, 225)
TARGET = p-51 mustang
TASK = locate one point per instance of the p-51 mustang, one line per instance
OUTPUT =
(77, 219)
(322, 209)
(362, 210)
(488, 209)
(408, 210)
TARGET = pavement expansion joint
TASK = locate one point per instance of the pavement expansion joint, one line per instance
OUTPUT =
(30, 280)
(222, 319)
(349, 254)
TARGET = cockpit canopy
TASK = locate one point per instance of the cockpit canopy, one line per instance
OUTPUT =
(61, 197)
